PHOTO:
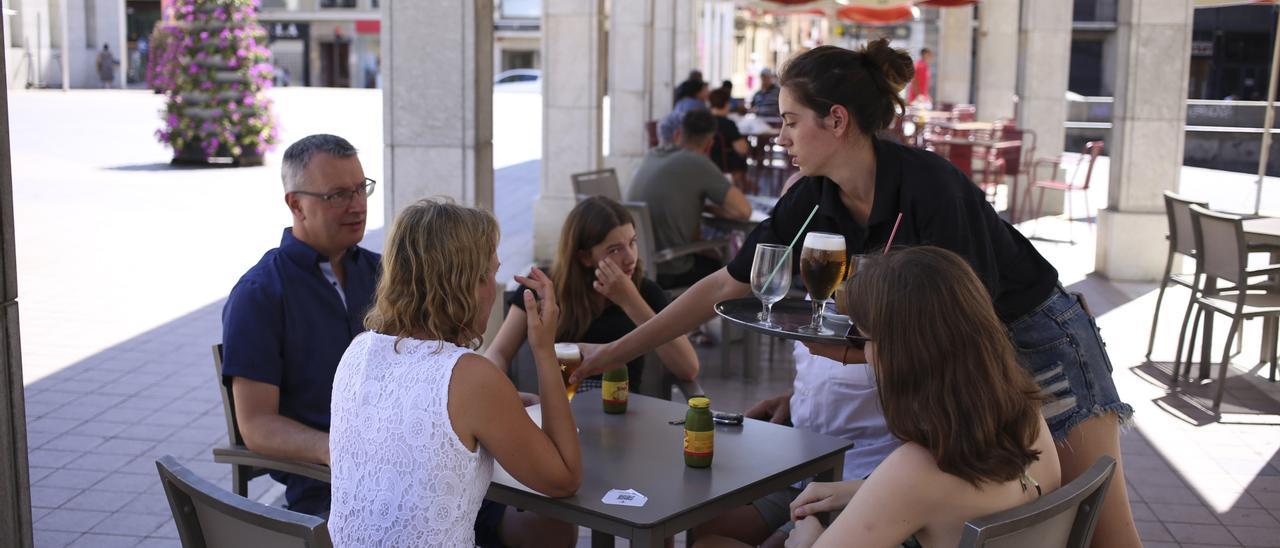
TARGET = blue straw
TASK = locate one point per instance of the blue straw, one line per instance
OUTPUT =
(787, 253)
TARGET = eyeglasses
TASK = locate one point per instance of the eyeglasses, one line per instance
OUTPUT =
(854, 339)
(341, 198)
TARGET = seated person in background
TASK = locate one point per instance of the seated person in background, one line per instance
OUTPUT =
(691, 95)
(729, 148)
(600, 285)
(676, 181)
(969, 415)
(290, 317)
(419, 417)
(765, 101)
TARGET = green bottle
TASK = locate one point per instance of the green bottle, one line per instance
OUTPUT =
(699, 433)
(614, 388)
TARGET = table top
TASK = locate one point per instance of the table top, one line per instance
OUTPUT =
(640, 450)
(987, 143)
(966, 126)
(1263, 226)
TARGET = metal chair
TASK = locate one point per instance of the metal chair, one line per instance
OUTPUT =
(1181, 242)
(1224, 255)
(1064, 518)
(245, 463)
(1088, 157)
(602, 182)
(207, 516)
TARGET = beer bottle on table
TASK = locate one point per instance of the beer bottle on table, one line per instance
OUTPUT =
(699, 433)
(614, 388)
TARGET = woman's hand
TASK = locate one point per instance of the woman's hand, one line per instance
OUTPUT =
(823, 497)
(592, 363)
(543, 314)
(842, 353)
(615, 284)
(805, 534)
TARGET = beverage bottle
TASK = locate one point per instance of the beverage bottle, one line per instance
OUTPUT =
(614, 388)
(699, 433)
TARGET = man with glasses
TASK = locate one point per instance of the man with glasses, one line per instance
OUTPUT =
(289, 319)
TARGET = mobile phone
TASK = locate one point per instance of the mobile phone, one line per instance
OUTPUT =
(726, 418)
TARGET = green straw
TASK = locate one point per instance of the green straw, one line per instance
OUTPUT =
(787, 253)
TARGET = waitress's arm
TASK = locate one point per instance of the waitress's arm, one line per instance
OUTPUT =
(678, 354)
(687, 312)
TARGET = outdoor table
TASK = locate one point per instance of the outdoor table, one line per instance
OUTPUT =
(640, 450)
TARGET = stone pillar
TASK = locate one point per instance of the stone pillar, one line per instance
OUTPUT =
(665, 79)
(572, 126)
(630, 76)
(997, 71)
(437, 102)
(1147, 135)
(122, 39)
(955, 54)
(15, 485)
(686, 39)
(1045, 60)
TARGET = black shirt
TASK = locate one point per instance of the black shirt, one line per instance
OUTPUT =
(941, 207)
(722, 153)
(612, 324)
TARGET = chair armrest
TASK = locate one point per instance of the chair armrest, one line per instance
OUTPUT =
(689, 249)
(1035, 165)
(240, 455)
(1263, 270)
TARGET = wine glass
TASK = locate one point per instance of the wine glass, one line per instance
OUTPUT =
(770, 279)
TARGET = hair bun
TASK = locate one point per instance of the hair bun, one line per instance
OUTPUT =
(893, 65)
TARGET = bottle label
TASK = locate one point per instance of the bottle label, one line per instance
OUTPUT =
(615, 392)
(699, 444)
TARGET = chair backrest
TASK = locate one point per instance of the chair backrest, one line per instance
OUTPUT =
(644, 234)
(1220, 244)
(602, 182)
(1088, 158)
(1177, 209)
(1064, 518)
(209, 517)
(228, 399)
(651, 132)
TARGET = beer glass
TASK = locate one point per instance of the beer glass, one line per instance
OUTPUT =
(855, 263)
(770, 279)
(822, 265)
(570, 358)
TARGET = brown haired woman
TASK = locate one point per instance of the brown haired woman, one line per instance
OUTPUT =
(600, 286)
(974, 440)
(419, 417)
(833, 101)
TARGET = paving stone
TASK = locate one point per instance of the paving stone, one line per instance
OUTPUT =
(166, 530)
(1202, 533)
(51, 497)
(36, 473)
(72, 479)
(129, 523)
(45, 538)
(151, 542)
(149, 502)
(129, 483)
(1152, 530)
(76, 521)
(99, 461)
(1257, 517)
(53, 425)
(1256, 536)
(73, 442)
(51, 457)
(1142, 512)
(1182, 513)
(146, 432)
(99, 428)
(100, 500)
(124, 415)
(120, 446)
(93, 540)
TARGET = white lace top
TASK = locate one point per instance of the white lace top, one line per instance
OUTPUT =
(401, 476)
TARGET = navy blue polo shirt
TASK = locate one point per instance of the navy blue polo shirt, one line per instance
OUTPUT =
(285, 324)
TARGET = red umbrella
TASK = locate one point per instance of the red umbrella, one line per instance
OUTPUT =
(945, 3)
(876, 16)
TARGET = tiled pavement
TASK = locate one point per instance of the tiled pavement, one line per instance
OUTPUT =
(100, 413)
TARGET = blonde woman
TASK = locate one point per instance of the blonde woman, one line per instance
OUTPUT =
(418, 416)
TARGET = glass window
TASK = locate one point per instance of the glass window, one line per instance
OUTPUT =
(337, 3)
(521, 9)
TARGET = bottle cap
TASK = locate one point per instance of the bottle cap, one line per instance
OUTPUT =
(699, 403)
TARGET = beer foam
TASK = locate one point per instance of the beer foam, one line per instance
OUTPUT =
(567, 351)
(823, 241)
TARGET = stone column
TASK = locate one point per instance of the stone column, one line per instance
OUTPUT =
(686, 40)
(997, 70)
(665, 79)
(1147, 135)
(15, 485)
(630, 76)
(572, 124)
(437, 102)
(955, 54)
(1046, 58)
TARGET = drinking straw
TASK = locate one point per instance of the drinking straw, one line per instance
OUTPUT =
(892, 234)
(787, 253)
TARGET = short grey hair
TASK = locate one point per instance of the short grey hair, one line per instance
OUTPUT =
(299, 154)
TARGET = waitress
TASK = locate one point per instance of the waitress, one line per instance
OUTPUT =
(833, 101)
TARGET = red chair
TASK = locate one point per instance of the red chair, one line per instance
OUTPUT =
(964, 113)
(651, 131)
(1084, 163)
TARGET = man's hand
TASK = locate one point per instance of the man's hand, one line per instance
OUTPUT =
(614, 284)
(805, 534)
(822, 496)
(775, 410)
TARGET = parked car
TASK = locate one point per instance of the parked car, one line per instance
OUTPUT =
(517, 75)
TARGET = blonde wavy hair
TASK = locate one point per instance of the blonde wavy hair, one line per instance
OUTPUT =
(435, 256)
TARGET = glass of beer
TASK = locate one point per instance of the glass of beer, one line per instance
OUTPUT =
(822, 265)
(770, 279)
(570, 358)
(855, 262)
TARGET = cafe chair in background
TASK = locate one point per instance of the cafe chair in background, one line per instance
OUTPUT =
(1182, 241)
(602, 182)
(245, 463)
(1064, 518)
(207, 516)
(1073, 183)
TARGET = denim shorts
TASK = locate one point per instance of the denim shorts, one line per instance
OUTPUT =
(1060, 345)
